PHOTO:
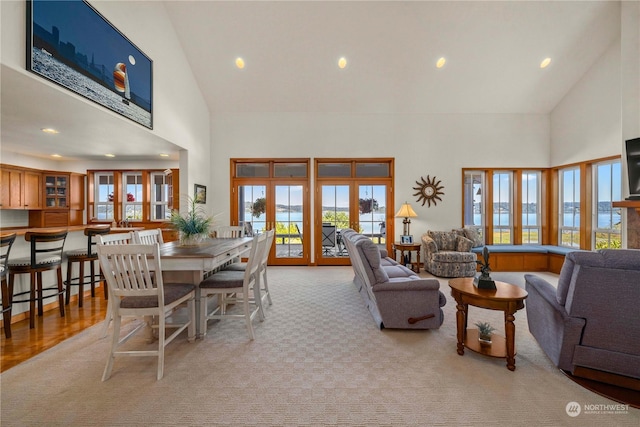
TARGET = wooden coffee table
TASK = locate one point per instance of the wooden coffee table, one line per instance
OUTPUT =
(508, 298)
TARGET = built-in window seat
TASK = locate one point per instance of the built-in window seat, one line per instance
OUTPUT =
(525, 257)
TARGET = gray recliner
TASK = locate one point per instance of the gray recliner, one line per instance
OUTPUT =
(589, 326)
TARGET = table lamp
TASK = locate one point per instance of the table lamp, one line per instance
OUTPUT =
(406, 212)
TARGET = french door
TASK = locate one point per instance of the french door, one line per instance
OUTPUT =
(274, 194)
(353, 194)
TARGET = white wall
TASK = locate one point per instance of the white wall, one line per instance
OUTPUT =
(586, 124)
(422, 145)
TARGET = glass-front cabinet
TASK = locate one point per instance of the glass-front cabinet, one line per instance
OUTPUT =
(56, 191)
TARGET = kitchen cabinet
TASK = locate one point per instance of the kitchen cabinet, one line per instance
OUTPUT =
(56, 191)
(63, 201)
(20, 188)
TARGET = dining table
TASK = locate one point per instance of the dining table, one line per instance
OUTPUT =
(192, 263)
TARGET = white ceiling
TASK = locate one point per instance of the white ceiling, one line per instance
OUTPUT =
(291, 49)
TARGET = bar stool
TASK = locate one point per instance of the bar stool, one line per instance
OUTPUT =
(6, 241)
(46, 254)
(81, 256)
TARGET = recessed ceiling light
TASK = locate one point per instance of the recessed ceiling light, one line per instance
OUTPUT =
(240, 63)
(440, 63)
(56, 155)
(109, 155)
(164, 155)
(342, 62)
(545, 63)
(50, 130)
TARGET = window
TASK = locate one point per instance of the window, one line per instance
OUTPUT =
(159, 197)
(531, 207)
(133, 196)
(569, 208)
(473, 206)
(607, 219)
(104, 195)
(502, 208)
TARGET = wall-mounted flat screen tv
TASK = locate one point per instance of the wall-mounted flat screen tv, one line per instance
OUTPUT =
(71, 44)
(632, 147)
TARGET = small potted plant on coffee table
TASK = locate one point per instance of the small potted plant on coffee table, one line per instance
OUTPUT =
(484, 332)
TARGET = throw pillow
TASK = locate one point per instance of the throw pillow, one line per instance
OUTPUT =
(464, 244)
(445, 240)
(473, 235)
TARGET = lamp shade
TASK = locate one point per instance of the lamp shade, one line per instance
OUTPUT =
(406, 211)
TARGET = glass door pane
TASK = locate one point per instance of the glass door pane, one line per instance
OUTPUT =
(335, 215)
(252, 207)
(372, 212)
(289, 220)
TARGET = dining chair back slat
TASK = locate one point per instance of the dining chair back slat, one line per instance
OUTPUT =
(229, 231)
(148, 237)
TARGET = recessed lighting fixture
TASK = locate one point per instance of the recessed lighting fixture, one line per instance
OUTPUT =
(52, 131)
(240, 63)
(164, 155)
(109, 155)
(440, 63)
(545, 63)
(56, 155)
(342, 62)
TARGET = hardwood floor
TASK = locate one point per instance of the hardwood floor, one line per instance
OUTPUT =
(50, 330)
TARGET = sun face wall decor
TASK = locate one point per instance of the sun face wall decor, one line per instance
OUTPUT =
(428, 191)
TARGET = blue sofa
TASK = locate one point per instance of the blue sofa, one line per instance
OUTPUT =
(396, 296)
(589, 326)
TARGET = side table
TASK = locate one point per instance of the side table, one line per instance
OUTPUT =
(408, 247)
(508, 298)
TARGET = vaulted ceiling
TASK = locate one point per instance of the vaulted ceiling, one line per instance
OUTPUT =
(291, 51)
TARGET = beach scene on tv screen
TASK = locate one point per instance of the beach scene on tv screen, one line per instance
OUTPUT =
(75, 47)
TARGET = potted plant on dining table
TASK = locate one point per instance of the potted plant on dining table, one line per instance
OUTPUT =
(192, 227)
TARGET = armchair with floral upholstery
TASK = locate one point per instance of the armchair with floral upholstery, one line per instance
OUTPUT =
(448, 254)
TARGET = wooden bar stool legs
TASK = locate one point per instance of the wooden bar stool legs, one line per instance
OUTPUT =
(80, 280)
(6, 242)
(81, 256)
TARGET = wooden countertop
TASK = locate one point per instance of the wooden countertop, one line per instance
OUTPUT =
(20, 231)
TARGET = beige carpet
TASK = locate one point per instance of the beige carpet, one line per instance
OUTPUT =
(317, 360)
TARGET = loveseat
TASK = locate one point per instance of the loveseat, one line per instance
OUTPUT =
(395, 295)
(589, 326)
(448, 254)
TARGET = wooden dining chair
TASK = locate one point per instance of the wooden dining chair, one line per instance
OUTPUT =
(262, 270)
(6, 242)
(112, 239)
(46, 254)
(234, 287)
(148, 237)
(135, 292)
(229, 231)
